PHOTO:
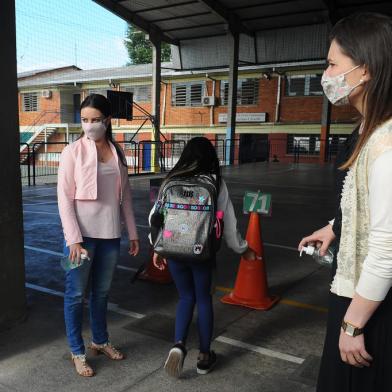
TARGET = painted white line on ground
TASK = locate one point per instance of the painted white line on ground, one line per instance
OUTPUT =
(123, 267)
(51, 252)
(56, 213)
(41, 203)
(222, 339)
(112, 307)
(44, 290)
(39, 196)
(115, 308)
(38, 189)
(260, 350)
(47, 251)
(41, 212)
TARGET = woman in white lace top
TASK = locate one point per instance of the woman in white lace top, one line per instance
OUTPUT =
(357, 353)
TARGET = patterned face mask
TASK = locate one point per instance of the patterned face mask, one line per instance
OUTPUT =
(337, 89)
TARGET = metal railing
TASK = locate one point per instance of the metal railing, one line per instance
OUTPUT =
(45, 163)
(25, 163)
(41, 160)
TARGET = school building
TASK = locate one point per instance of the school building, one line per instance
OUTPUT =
(279, 107)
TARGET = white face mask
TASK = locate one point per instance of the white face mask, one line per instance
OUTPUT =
(94, 131)
(337, 89)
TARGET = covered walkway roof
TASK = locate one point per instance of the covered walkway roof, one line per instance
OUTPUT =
(178, 20)
(212, 34)
(271, 31)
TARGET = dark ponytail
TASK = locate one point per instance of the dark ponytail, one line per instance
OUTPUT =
(199, 157)
(101, 103)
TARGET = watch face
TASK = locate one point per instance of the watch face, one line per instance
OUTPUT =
(350, 330)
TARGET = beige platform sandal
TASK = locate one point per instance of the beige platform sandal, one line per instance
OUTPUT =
(81, 365)
(107, 349)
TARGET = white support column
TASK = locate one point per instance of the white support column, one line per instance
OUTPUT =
(156, 98)
(232, 98)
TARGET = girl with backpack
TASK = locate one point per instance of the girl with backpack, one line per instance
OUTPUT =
(93, 190)
(192, 278)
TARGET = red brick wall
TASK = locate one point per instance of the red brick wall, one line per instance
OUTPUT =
(45, 105)
(292, 109)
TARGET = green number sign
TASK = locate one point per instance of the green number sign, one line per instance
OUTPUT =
(257, 202)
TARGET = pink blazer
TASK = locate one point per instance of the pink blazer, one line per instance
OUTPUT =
(77, 180)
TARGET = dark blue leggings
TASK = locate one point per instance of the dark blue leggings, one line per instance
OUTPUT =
(193, 282)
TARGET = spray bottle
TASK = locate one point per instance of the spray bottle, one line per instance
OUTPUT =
(315, 253)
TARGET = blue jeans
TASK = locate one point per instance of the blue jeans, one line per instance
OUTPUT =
(104, 254)
(193, 282)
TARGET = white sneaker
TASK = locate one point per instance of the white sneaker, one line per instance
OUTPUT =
(175, 360)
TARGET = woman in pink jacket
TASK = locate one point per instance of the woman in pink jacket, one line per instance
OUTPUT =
(93, 190)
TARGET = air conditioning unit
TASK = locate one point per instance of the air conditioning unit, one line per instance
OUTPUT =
(46, 94)
(209, 100)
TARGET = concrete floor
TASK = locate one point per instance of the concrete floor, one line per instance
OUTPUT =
(278, 350)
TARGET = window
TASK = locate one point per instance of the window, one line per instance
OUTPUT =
(30, 102)
(310, 144)
(303, 85)
(140, 93)
(185, 137)
(247, 92)
(187, 94)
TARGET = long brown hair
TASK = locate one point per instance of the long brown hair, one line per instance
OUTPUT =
(366, 38)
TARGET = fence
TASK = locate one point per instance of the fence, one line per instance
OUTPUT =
(41, 160)
(311, 148)
(222, 148)
(25, 162)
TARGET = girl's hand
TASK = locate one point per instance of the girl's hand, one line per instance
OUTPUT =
(352, 350)
(249, 254)
(134, 247)
(75, 250)
(158, 261)
(321, 239)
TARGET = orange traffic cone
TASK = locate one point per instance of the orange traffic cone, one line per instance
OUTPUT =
(156, 275)
(251, 288)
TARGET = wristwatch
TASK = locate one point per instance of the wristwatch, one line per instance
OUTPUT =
(350, 329)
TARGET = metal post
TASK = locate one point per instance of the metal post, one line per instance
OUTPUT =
(232, 98)
(156, 98)
(325, 128)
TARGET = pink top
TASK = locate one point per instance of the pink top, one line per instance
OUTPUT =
(80, 183)
(101, 218)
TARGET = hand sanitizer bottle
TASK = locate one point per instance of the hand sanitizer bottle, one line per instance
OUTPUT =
(327, 259)
(68, 264)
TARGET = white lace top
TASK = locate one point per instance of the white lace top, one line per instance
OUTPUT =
(365, 254)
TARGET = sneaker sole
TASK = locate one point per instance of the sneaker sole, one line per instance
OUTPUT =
(205, 371)
(174, 362)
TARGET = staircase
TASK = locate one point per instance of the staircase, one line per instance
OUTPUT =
(42, 135)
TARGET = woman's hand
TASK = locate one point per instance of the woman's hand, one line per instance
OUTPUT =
(134, 247)
(321, 239)
(352, 350)
(249, 254)
(75, 250)
(158, 261)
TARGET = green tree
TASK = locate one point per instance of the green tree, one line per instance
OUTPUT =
(140, 49)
